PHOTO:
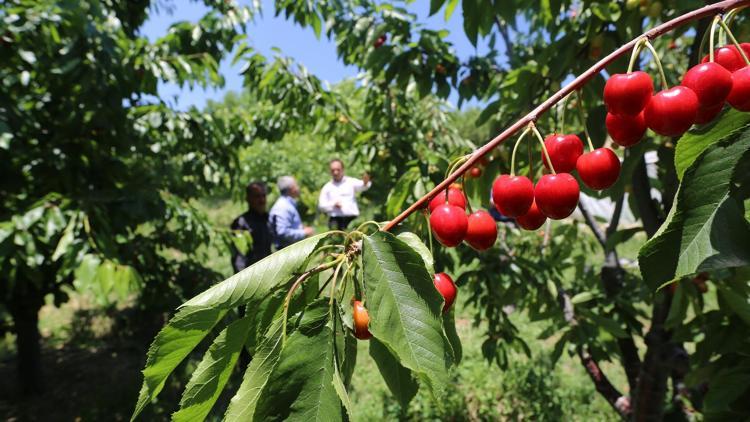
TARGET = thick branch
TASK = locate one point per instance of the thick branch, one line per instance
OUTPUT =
(581, 80)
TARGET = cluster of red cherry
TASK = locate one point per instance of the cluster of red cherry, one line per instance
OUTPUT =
(722, 77)
(452, 225)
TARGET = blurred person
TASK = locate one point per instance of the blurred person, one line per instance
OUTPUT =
(338, 196)
(255, 223)
(284, 219)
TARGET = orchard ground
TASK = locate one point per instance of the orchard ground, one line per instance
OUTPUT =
(93, 365)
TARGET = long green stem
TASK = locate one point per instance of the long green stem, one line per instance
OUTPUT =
(582, 116)
(735, 42)
(544, 148)
(636, 51)
(651, 48)
(515, 148)
(429, 229)
(563, 106)
(711, 44)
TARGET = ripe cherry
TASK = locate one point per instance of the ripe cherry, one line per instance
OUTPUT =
(455, 197)
(361, 321)
(710, 82)
(475, 172)
(626, 130)
(563, 150)
(599, 169)
(449, 223)
(671, 112)
(380, 41)
(707, 114)
(739, 98)
(628, 93)
(556, 195)
(512, 195)
(727, 57)
(447, 288)
(482, 230)
(533, 219)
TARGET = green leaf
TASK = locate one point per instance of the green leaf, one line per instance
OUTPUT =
(212, 373)
(301, 386)
(255, 283)
(435, 6)
(738, 304)
(620, 236)
(175, 341)
(399, 380)
(405, 308)
(415, 242)
(705, 229)
(449, 323)
(450, 8)
(582, 297)
(242, 406)
(696, 141)
(678, 308)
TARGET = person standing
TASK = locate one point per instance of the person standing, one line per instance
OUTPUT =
(338, 196)
(254, 221)
(284, 219)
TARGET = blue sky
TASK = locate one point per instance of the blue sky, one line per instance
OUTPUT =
(268, 31)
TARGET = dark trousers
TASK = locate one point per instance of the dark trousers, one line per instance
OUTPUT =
(340, 223)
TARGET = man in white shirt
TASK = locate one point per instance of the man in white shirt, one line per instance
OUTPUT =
(338, 197)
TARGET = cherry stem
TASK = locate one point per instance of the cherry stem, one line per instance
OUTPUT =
(515, 148)
(544, 148)
(531, 160)
(563, 106)
(651, 48)
(636, 51)
(711, 44)
(429, 228)
(734, 41)
(582, 116)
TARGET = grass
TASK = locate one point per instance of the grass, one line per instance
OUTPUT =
(95, 376)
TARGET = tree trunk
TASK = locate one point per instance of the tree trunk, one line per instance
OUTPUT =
(25, 312)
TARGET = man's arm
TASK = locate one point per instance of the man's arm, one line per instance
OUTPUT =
(362, 185)
(284, 229)
(325, 204)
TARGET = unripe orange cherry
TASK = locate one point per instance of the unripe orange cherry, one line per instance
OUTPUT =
(361, 321)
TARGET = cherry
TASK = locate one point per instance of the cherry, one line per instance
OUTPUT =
(628, 93)
(447, 288)
(380, 41)
(626, 130)
(361, 321)
(482, 230)
(455, 197)
(475, 172)
(707, 114)
(671, 112)
(512, 195)
(739, 98)
(599, 169)
(710, 82)
(533, 219)
(563, 150)
(556, 195)
(449, 223)
(727, 57)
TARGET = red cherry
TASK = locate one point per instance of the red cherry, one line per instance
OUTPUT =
(628, 93)
(739, 98)
(533, 219)
(728, 57)
(707, 114)
(599, 169)
(710, 82)
(512, 195)
(626, 130)
(455, 197)
(563, 150)
(746, 48)
(556, 195)
(475, 172)
(447, 288)
(361, 321)
(449, 223)
(482, 231)
(672, 112)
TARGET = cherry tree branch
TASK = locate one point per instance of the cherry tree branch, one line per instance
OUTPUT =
(710, 10)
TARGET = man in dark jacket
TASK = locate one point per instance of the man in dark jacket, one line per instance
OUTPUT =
(255, 223)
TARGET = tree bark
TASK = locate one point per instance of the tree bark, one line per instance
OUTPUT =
(24, 310)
